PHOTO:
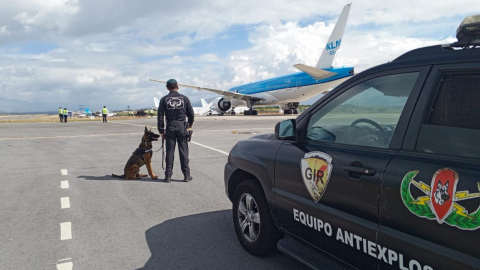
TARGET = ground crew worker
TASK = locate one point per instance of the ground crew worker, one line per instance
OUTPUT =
(65, 115)
(60, 114)
(174, 107)
(104, 114)
(151, 113)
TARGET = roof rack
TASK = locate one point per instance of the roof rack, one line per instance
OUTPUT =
(468, 33)
(463, 45)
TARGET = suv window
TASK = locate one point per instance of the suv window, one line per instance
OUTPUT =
(453, 126)
(366, 114)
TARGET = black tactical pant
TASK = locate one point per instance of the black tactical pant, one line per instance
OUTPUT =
(175, 133)
(104, 118)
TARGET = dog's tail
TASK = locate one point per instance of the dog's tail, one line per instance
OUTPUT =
(119, 176)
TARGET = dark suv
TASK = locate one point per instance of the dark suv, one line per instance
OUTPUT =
(381, 173)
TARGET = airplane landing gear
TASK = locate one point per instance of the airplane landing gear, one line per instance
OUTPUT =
(250, 112)
(292, 108)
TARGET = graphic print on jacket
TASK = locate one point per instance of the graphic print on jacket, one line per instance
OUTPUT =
(174, 103)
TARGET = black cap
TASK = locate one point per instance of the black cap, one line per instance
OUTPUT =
(171, 81)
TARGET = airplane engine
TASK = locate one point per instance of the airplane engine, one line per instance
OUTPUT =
(221, 104)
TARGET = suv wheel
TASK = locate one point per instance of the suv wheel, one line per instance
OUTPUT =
(252, 221)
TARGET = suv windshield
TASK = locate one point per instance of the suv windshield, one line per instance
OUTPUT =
(366, 114)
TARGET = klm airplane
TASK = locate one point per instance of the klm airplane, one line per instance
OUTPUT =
(287, 91)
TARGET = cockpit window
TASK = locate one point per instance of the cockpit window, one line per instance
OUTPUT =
(366, 114)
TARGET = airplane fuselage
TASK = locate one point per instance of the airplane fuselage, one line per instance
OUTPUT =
(294, 87)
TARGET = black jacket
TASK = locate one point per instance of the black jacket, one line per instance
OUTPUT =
(174, 107)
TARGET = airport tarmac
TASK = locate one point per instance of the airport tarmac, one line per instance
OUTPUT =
(60, 207)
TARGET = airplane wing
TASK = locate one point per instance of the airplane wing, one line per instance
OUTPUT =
(217, 91)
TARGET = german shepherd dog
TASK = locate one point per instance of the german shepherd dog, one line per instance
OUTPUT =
(441, 194)
(142, 156)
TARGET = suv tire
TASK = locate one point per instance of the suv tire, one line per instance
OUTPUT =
(254, 217)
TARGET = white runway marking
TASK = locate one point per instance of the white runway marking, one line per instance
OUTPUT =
(64, 184)
(65, 266)
(65, 202)
(66, 259)
(211, 148)
(64, 171)
(65, 231)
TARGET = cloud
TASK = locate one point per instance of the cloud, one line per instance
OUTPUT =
(105, 51)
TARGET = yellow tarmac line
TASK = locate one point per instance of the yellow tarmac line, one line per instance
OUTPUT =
(70, 136)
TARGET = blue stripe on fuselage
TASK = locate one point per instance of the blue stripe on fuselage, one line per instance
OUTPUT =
(288, 81)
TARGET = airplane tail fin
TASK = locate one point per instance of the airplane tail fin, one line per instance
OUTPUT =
(156, 102)
(204, 103)
(335, 40)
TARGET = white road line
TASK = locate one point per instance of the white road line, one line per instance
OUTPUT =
(66, 259)
(211, 148)
(65, 231)
(64, 171)
(65, 266)
(64, 184)
(65, 202)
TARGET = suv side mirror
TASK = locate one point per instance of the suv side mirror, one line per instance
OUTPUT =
(285, 130)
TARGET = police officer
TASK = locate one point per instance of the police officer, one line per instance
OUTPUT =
(104, 114)
(174, 107)
(60, 114)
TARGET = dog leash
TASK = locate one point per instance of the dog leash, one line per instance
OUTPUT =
(163, 153)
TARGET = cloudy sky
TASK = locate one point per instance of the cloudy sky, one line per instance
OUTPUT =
(102, 52)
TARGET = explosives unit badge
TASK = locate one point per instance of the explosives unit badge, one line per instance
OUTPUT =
(440, 201)
(316, 170)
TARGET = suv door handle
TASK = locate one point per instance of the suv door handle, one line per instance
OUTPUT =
(359, 170)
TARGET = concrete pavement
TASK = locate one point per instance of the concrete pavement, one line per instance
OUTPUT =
(115, 223)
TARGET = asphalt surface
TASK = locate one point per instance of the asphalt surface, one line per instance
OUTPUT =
(115, 223)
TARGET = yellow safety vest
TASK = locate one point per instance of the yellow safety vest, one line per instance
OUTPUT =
(60, 111)
(65, 112)
(104, 110)
(151, 111)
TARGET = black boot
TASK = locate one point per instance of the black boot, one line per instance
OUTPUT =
(188, 178)
(168, 178)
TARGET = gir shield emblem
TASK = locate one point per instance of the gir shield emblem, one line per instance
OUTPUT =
(316, 170)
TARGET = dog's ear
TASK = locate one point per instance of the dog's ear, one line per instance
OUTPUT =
(446, 184)
(146, 130)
